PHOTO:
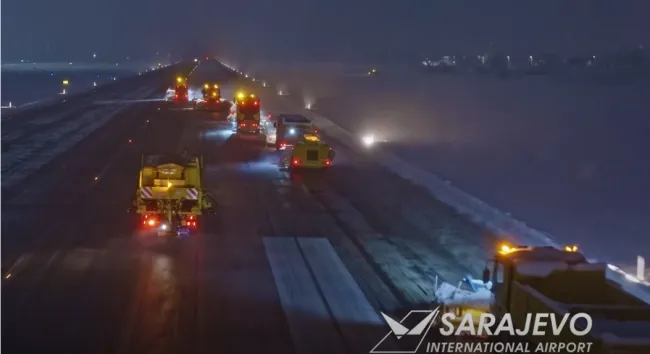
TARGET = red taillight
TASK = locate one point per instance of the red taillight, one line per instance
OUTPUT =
(190, 220)
(149, 221)
(283, 144)
(256, 103)
(327, 162)
(315, 131)
(296, 162)
(254, 125)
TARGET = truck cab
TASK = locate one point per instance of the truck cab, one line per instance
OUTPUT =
(530, 280)
(289, 128)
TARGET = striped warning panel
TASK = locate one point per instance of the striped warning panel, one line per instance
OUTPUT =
(192, 194)
(146, 192)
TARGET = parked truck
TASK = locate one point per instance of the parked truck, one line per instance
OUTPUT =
(534, 280)
(170, 197)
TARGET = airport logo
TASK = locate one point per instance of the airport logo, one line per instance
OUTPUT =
(414, 334)
(420, 323)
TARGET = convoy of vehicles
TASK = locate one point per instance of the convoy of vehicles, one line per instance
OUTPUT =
(534, 280)
(521, 280)
(170, 197)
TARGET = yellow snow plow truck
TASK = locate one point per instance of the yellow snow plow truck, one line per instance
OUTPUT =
(170, 196)
(579, 305)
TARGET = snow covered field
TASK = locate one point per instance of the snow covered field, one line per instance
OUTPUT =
(23, 87)
(566, 156)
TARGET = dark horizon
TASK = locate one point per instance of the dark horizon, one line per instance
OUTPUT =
(307, 30)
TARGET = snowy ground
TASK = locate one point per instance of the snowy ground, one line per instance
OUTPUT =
(567, 156)
(28, 147)
(23, 87)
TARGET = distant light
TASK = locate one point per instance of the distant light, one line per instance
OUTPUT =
(94, 55)
(196, 60)
(368, 140)
(66, 82)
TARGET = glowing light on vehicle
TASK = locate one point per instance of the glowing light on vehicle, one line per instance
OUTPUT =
(240, 95)
(216, 86)
(308, 106)
(292, 131)
(66, 82)
(152, 222)
(206, 86)
(280, 93)
(163, 226)
(505, 249)
(571, 248)
(368, 140)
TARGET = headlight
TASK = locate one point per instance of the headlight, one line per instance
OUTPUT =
(163, 226)
(292, 131)
(368, 140)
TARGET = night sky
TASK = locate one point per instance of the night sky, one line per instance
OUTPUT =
(342, 30)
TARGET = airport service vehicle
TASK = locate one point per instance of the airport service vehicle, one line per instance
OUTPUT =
(211, 98)
(289, 128)
(532, 280)
(170, 197)
(211, 92)
(309, 152)
(247, 114)
(181, 91)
